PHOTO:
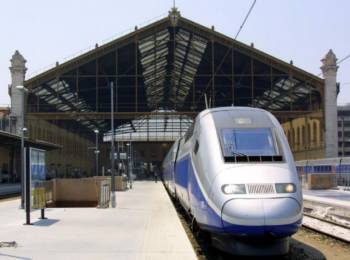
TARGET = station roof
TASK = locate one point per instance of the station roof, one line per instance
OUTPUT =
(9, 139)
(172, 64)
(159, 126)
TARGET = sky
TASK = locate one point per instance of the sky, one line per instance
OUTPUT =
(49, 31)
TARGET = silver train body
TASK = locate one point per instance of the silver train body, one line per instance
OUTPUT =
(234, 173)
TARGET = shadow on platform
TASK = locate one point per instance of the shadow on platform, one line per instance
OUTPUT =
(14, 257)
(45, 222)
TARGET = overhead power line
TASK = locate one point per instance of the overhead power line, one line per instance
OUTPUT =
(245, 19)
(343, 59)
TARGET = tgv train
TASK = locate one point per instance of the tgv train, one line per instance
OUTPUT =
(234, 173)
(339, 166)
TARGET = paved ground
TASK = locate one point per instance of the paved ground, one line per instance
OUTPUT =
(143, 226)
(331, 197)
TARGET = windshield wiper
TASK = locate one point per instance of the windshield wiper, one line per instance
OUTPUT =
(238, 153)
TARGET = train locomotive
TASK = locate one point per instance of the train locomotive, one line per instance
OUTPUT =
(234, 173)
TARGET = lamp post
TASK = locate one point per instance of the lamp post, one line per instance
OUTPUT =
(23, 177)
(129, 163)
(113, 199)
(22, 130)
(97, 151)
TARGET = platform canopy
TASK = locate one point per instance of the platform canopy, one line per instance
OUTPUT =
(173, 64)
(159, 126)
(13, 140)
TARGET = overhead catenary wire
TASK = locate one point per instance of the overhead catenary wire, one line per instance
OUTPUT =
(224, 57)
(343, 59)
(245, 19)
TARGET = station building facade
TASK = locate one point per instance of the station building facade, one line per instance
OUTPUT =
(162, 76)
(344, 130)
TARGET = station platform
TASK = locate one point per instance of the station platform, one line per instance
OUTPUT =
(144, 225)
(336, 198)
(7, 189)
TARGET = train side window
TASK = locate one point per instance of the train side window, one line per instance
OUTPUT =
(196, 146)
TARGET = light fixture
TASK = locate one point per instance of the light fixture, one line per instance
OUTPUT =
(285, 187)
(233, 189)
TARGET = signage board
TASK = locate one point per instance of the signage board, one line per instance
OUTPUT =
(37, 168)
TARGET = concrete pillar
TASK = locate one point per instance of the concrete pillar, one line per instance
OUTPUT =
(329, 70)
(18, 71)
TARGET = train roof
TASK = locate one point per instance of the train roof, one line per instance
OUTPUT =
(231, 108)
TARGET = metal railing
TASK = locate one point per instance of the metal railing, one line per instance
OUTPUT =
(338, 168)
(104, 197)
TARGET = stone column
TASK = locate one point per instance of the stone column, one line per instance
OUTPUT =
(18, 71)
(329, 70)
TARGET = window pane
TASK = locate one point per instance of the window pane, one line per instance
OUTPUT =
(248, 141)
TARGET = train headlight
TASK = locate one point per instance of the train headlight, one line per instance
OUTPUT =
(233, 189)
(285, 188)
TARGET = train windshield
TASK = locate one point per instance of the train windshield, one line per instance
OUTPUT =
(248, 142)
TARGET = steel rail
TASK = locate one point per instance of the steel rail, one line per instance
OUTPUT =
(324, 232)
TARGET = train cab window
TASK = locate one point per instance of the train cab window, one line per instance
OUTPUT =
(249, 144)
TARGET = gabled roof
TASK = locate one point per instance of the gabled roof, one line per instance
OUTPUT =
(156, 27)
(172, 64)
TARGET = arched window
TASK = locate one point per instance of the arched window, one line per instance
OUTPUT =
(297, 139)
(309, 136)
(302, 141)
(289, 137)
(314, 133)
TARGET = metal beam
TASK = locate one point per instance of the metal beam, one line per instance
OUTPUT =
(128, 115)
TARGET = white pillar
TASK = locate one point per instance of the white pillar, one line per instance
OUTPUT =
(329, 70)
(18, 71)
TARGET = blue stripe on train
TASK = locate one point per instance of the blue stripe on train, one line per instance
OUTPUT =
(208, 219)
(181, 176)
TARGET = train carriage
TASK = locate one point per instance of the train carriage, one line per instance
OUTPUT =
(234, 173)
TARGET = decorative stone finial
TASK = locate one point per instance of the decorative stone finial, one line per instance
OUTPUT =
(329, 63)
(329, 69)
(174, 15)
(18, 63)
(18, 98)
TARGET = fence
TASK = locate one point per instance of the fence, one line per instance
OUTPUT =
(337, 170)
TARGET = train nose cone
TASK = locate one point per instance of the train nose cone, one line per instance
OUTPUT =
(259, 216)
(281, 211)
(244, 211)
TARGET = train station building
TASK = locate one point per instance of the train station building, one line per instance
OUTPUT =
(162, 76)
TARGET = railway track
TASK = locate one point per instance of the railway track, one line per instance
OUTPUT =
(299, 248)
(327, 227)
